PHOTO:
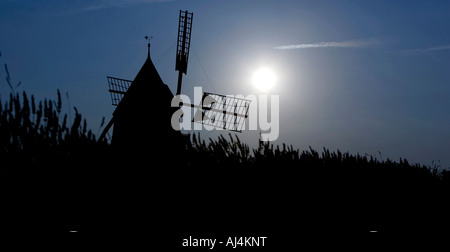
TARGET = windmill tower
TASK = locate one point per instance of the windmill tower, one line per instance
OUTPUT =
(142, 117)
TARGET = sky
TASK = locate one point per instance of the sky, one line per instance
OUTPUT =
(369, 77)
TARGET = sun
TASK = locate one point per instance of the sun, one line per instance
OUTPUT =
(263, 79)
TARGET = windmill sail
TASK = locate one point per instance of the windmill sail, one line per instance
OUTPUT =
(184, 41)
(183, 44)
(117, 88)
(222, 112)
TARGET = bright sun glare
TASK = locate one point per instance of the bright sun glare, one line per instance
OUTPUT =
(263, 79)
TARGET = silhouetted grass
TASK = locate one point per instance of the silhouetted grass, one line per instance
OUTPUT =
(57, 169)
(233, 151)
(34, 133)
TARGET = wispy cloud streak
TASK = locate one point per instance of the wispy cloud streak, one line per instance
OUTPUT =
(342, 44)
(438, 48)
(426, 50)
(87, 6)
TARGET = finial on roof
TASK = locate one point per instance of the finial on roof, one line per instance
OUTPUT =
(148, 45)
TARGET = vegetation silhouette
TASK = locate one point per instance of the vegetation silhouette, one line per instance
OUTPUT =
(57, 177)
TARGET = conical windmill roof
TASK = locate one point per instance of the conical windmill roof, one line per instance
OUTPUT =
(146, 87)
(143, 115)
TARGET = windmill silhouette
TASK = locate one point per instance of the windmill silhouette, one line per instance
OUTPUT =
(142, 121)
(139, 119)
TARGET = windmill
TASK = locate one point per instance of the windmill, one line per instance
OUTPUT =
(137, 118)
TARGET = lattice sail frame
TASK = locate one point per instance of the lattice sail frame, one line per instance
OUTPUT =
(223, 112)
(184, 41)
(117, 88)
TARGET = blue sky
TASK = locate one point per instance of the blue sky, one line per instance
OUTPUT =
(360, 76)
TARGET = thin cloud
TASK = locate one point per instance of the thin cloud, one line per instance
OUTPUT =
(427, 50)
(87, 6)
(438, 48)
(342, 44)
